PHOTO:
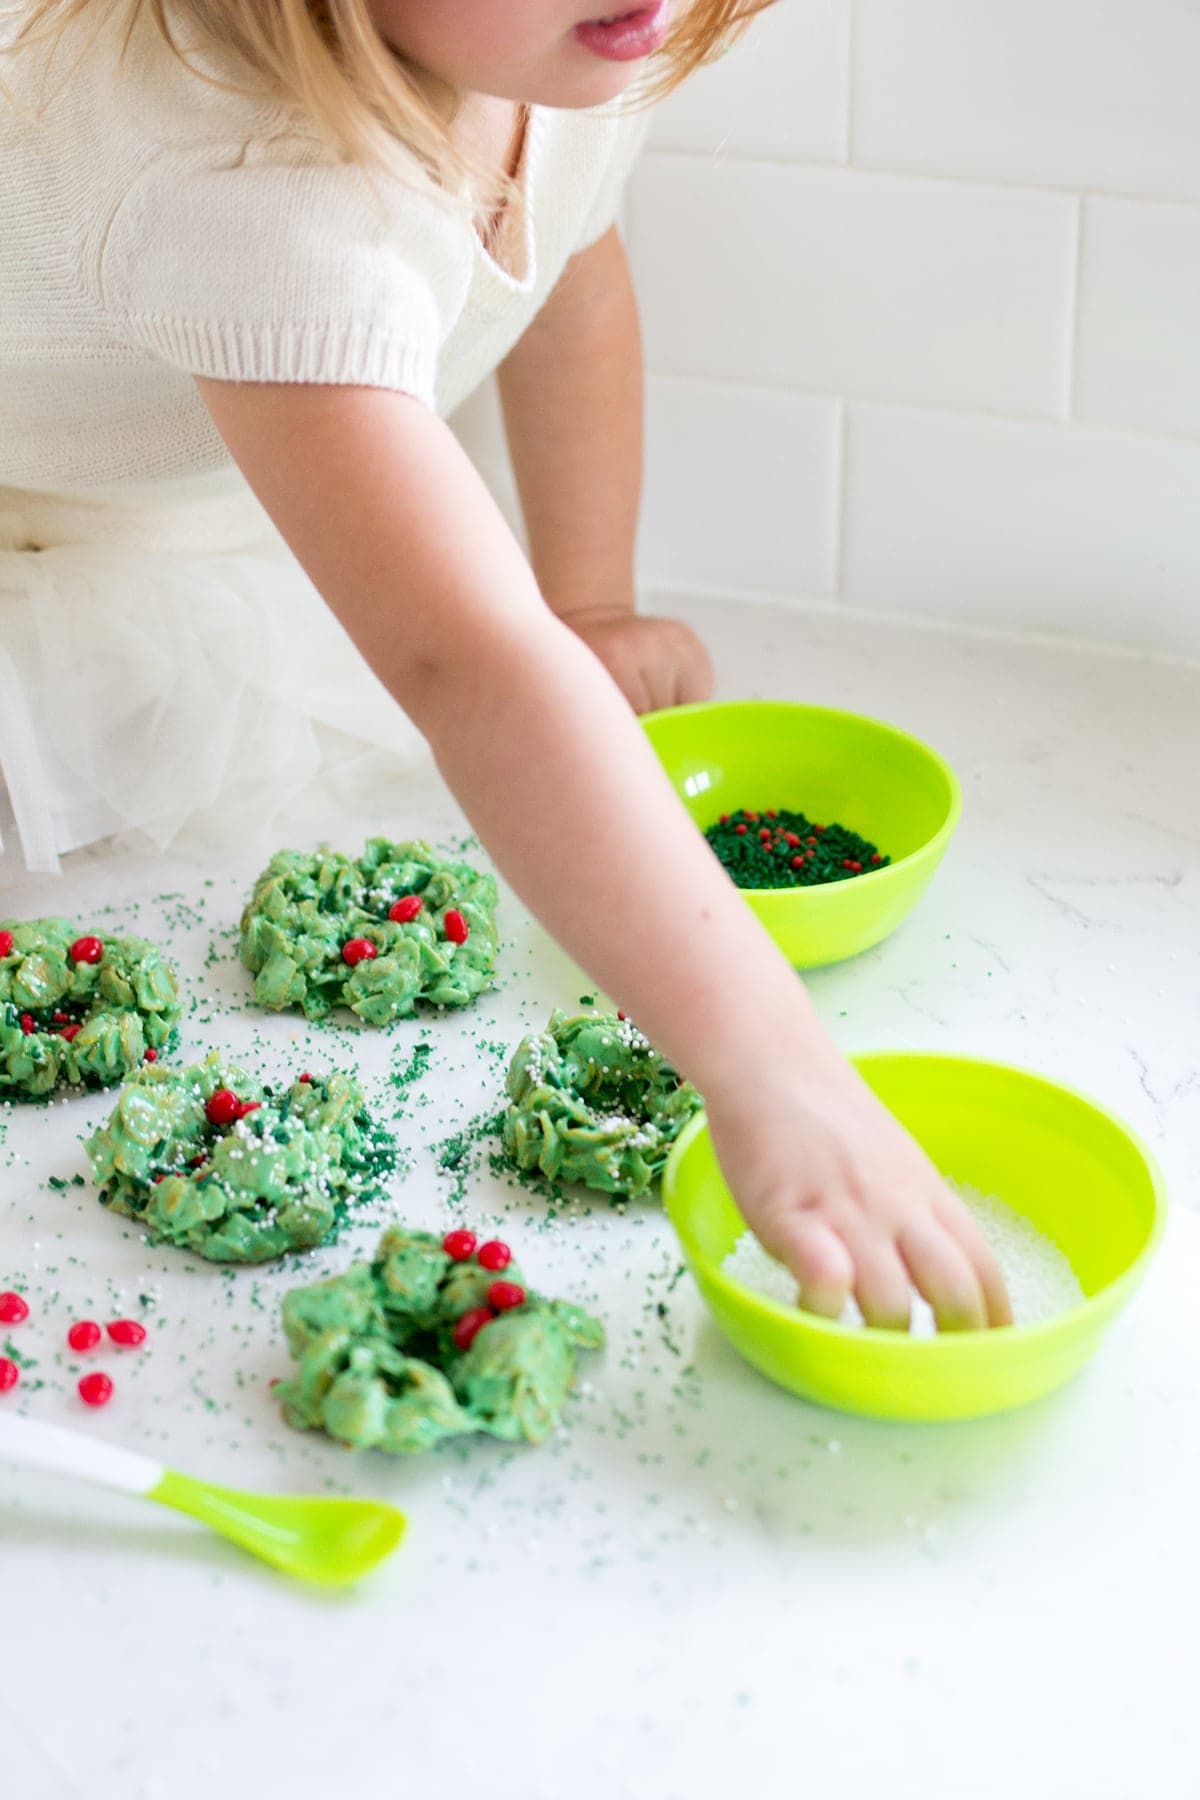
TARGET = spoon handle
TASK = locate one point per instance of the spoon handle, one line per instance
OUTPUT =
(74, 1453)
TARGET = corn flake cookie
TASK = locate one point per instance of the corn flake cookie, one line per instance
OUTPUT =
(433, 1339)
(591, 1100)
(212, 1161)
(377, 934)
(79, 1008)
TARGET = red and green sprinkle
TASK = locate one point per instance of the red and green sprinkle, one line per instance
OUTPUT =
(781, 849)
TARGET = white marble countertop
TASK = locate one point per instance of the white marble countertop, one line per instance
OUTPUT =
(701, 1587)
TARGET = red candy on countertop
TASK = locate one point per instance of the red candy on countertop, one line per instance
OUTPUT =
(127, 1332)
(356, 950)
(404, 910)
(10, 1374)
(223, 1107)
(470, 1325)
(494, 1255)
(85, 1334)
(86, 949)
(457, 929)
(96, 1389)
(13, 1310)
(460, 1244)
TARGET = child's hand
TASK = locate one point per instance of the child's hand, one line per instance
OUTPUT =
(654, 662)
(832, 1186)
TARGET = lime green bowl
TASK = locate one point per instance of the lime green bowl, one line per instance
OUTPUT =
(1072, 1168)
(880, 782)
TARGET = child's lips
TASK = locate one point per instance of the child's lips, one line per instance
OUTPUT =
(625, 37)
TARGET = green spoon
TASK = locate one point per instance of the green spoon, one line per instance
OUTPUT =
(329, 1541)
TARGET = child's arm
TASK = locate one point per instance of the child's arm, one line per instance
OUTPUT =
(399, 534)
(571, 390)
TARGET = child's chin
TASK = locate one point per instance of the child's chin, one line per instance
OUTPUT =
(589, 81)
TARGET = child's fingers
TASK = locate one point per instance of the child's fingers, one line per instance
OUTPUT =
(965, 1231)
(942, 1272)
(881, 1281)
(818, 1259)
(694, 674)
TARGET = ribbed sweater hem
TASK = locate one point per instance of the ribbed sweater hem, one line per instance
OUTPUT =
(346, 353)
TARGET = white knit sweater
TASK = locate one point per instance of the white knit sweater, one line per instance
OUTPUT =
(154, 227)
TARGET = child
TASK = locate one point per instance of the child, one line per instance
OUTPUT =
(251, 259)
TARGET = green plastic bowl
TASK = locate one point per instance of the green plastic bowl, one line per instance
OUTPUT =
(1072, 1168)
(882, 783)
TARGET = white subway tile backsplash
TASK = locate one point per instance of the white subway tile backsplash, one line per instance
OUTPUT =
(928, 292)
(741, 488)
(1088, 94)
(781, 92)
(959, 241)
(1052, 528)
(1139, 320)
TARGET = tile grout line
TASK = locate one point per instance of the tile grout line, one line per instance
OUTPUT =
(1047, 421)
(848, 135)
(840, 500)
(1074, 320)
(829, 165)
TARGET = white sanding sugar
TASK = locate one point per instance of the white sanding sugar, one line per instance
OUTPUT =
(1041, 1282)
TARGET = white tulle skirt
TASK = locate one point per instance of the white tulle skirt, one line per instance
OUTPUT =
(167, 667)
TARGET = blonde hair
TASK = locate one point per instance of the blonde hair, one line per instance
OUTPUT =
(326, 60)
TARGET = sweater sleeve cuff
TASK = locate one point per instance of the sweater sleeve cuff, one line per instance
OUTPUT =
(345, 353)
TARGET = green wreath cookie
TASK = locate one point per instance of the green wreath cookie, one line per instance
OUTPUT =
(212, 1161)
(593, 1101)
(435, 1338)
(378, 934)
(78, 1009)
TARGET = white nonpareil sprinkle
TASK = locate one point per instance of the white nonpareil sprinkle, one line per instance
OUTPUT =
(1041, 1282)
